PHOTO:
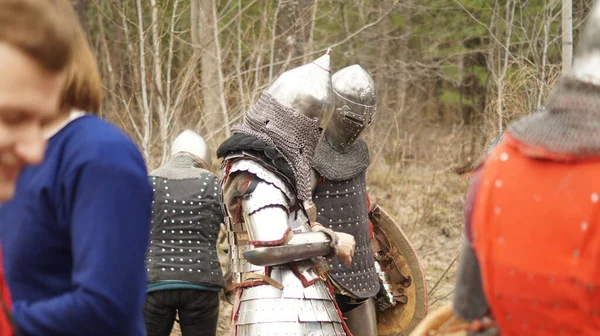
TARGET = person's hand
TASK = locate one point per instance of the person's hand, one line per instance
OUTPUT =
(345, 247)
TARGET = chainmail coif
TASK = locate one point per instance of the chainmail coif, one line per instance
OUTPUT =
(336, 166)
(180, 167)
(293, 134)
(570, 123)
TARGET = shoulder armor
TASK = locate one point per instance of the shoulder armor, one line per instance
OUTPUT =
(266, 215)
(264, 174)
(264, 195)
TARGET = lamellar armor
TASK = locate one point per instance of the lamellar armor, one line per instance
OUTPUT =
(276, 259)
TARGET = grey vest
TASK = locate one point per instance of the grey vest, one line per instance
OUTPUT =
(186, 220)
(342, 207)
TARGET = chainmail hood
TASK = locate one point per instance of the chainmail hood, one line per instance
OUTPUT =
(180, 167)
(570, 124)
(293, 134)
(336, 166)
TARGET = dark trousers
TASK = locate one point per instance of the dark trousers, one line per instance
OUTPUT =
(198, 312)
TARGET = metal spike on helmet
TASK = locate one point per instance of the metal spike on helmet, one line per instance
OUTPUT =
(191, 142)
(307, 89)
(586, 62)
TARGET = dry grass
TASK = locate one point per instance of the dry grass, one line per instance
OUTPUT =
(428, 204)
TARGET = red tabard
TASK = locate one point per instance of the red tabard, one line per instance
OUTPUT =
(5, 325)
(536, 233)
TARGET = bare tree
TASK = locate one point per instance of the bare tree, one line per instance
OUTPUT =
(567, 34)
(147, 114)
(203, 37)
(499, 72)
(547, 20)
(293, 23)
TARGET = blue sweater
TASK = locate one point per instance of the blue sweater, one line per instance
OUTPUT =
(75, 235)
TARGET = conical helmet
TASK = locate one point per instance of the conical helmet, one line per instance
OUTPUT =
(586, 62)
(191, 142)
(355, 106)
(307, 89)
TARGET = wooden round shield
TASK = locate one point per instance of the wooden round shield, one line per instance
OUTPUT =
(403, 266)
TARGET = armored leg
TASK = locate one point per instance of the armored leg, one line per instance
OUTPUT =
(362, 320)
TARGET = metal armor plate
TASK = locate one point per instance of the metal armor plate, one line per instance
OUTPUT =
(292, 300)
(398, 256)
(295, 310)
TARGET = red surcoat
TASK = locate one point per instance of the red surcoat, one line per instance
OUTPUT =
(536, 233)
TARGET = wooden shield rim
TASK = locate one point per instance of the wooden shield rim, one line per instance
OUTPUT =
(417, 292)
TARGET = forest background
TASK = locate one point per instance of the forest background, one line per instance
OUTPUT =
(450, 75)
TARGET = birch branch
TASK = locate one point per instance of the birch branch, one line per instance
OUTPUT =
(145, 104)
(222, 100)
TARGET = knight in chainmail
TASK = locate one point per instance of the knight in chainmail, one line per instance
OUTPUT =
(535, 198)
(340, 194)
(184, 273)
(277, 248)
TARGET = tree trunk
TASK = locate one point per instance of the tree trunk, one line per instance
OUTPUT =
(403, 53)
(545, 44)
(310, 47)
(204, 43)
(147, 114)
(567, 35)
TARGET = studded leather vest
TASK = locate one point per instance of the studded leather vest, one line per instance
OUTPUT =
(342, 207)
(187, 215)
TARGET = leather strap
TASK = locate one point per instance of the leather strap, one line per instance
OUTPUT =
(269, 280)
(311, 212)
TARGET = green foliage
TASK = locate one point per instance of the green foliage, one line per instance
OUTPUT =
(481, 73)
(449, 97)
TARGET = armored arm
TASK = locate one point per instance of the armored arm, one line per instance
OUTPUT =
(301, 246)
(264, 205)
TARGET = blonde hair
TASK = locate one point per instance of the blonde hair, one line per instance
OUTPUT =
(83, 86)
(32, 27)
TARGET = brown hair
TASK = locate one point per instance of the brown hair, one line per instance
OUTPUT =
(83, 87)
(32, 27)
